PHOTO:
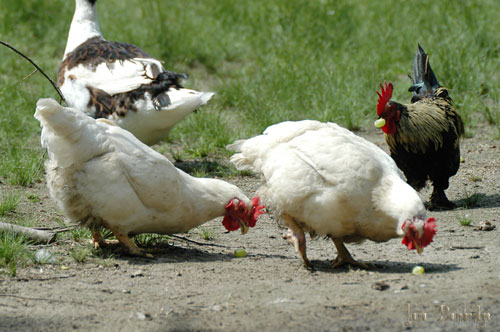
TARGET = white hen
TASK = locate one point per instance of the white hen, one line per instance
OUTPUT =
(323, 179)
(121, 82)
(102, 176)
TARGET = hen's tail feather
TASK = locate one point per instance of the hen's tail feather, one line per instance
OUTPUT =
(236, 146)
(424, 80)
(70, 136)
(241, 160)
(51, 115)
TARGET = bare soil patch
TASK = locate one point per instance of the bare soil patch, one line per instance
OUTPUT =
(194, 287)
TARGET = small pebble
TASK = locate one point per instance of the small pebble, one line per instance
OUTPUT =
(143, 316)
(380, 285)
(485, 226)
(43, 256)
(136, 274)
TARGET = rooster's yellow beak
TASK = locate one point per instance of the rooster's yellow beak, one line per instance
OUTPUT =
(379, 123)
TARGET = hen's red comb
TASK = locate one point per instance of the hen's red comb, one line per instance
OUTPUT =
(257, 210)
(384, 96)
(429, 231)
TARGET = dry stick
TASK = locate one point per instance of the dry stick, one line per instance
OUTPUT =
(198, 243)
(34, 234)
(46, 279)
(56, 229)
(36, 66)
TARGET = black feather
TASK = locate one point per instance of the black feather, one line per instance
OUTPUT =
(424, 80)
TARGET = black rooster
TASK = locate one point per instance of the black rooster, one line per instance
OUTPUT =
(423, 136)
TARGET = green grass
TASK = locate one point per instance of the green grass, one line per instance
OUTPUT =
(472, 200)
(207, 234)
(465, 220)
(9, 203)
(267, 61)
(149, 239)
(33, 198)
(80, 254)
(14, 252)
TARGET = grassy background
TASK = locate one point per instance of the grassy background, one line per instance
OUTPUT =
(267, 61)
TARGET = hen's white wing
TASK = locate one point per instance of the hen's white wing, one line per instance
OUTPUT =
(153, 177)
(333, 152)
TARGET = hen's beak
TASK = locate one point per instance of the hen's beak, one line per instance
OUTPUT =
(418, 247)
(244, 227)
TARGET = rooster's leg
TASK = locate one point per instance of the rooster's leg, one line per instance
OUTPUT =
(344, 257)
(439, 201)
(129, 244)
(297, 238)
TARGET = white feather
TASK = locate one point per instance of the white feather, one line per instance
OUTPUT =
(330, 180)
(145, 121)
(101, 172)
(83, 26)
(116, 77)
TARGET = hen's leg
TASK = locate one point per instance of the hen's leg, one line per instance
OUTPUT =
(129, 244)
(97, 240)
(292, 239)
(298, 238)
(344, 257)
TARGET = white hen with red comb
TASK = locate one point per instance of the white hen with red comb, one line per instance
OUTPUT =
(102, 176)
(323, 179)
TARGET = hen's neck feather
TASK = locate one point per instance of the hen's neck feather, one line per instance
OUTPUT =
(398, 200)
(210, 196)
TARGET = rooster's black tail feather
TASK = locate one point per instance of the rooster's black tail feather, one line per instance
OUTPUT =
(424, 81)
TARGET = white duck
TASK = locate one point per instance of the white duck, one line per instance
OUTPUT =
(103, 176)
(121, 82)
(323, 179)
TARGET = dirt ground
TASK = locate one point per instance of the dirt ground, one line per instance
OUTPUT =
(195, 287)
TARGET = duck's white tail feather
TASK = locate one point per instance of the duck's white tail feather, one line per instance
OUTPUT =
(70, 136)
(187, 100)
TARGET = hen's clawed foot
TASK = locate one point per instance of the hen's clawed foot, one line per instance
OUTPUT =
(97, 240)
(344, 257)
(296, 236)
(292, 239)
(132, 248)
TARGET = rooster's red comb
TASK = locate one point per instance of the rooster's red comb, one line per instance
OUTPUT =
(384, 96)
